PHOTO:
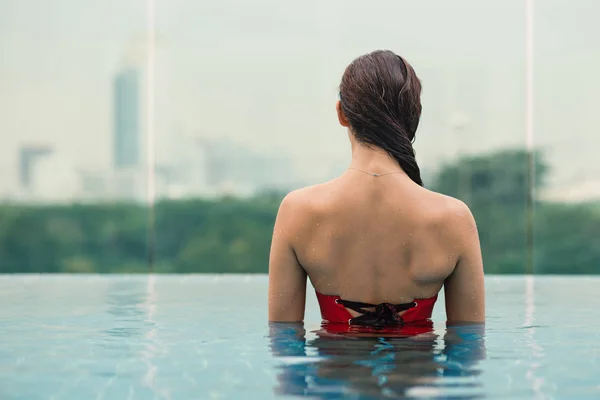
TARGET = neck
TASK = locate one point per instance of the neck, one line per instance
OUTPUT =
(372, 159)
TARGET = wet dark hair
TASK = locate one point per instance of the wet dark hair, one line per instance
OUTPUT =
(380, 94)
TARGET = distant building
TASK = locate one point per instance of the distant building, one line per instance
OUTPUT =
(109, 186)
(44, 176)
(233, 169)
(180, 168)
(28, 157)
(127, 119)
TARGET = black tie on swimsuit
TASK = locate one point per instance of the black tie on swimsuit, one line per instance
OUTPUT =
(385, 314)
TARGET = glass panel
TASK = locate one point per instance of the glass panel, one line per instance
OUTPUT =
(471, 144)
(71, 133)
(245, 109)
(567, 59)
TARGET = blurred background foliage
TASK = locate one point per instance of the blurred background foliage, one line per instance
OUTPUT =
(232, 235)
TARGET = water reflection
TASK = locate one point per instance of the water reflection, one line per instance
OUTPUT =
(537, 351)
(130, 344)
(126, 302)
(329, 366)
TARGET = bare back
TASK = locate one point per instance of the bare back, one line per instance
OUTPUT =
(379, 239)
(376, 239)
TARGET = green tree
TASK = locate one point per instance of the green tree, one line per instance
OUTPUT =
(234, 235)
(495, 186)
(567, 239)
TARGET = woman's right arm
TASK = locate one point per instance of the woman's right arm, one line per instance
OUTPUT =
(464, 288)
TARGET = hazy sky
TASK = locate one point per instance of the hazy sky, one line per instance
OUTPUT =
(264, 74)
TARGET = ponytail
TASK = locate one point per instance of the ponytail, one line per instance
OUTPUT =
(380, 94)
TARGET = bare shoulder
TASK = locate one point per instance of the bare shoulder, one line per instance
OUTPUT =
(453, 215)
(458, 211)
(301, 205)
(302, 200)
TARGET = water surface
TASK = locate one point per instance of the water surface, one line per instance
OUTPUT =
(206, 337)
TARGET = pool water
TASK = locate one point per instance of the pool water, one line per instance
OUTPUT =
(206, 337)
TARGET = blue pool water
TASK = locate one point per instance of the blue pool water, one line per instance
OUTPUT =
(206, 337)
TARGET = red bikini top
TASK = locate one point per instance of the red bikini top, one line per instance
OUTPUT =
(408, 318)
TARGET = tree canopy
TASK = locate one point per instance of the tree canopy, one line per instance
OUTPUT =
(231, 235)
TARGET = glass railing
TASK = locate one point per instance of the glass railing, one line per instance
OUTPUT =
(160, 136)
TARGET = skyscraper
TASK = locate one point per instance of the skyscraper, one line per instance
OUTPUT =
(126, 119)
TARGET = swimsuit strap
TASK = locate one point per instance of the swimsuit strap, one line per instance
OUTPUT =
(385, 314)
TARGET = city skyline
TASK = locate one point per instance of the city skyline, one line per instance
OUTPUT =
(221, 79)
